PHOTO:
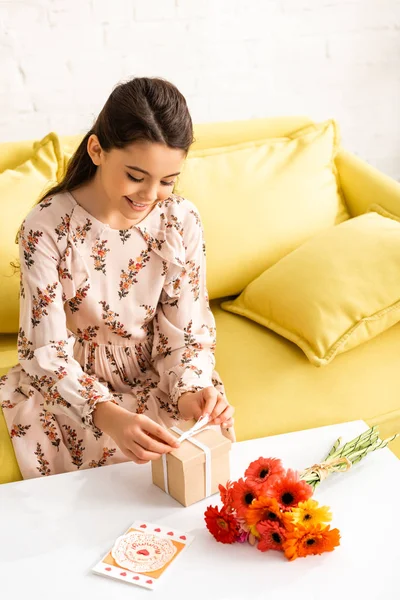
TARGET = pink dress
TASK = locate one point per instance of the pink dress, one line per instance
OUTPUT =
(105, 314)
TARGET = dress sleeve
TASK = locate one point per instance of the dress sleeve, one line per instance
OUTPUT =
(184, 326)
(45, 350)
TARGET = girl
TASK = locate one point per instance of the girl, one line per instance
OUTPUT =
(116, 339)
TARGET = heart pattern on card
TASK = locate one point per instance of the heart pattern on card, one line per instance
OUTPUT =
(183, 537)
(143, 526)
(149, 581)
(170, 533)
(158, 530)
(136, 578)
(108, 568)
(123, 574)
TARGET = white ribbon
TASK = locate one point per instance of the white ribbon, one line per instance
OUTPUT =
(188, 435)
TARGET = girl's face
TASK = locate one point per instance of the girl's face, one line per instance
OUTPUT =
(136, 177)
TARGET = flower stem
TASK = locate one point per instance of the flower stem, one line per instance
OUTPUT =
(354, 451)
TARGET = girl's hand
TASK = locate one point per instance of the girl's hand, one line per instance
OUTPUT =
(193, 405)
(137, 436)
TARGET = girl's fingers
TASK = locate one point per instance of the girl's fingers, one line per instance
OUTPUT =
(210, 398)
(153, 445)
(226, 415)
(160, 433)
(220, 407)
(129, 454)
(142, 454)
(227, 424)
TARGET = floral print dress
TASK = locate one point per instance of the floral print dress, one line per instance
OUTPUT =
(105, 314)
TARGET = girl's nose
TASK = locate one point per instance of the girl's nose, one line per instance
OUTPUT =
(149, 193)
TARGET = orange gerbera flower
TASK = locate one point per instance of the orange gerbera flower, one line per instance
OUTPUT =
(306, 540)
(289, 490)
(263, 471)
(243, 494)
(222, 525)
(263, 509)
(272, 536)
(226, 494)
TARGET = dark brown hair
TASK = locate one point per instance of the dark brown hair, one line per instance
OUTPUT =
(142, 109)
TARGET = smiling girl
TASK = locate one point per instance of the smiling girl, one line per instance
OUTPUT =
(116, 339)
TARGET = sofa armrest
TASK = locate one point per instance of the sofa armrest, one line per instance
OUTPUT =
(364, 185)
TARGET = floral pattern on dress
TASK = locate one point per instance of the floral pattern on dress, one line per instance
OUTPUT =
(45, 203)
(75, 446)
(88, 334)
(79, 233)
(81, 294)
(173, 222)
(52, 396)
(21, 285)
(44, 464)
(115, 326)
(29, 244)
(129, 277)
(60, 348)
(63, 228)
(40, 303)
(194, 278)
(99, 254)
(7, 404)
(107, 453)
(24, 346)
(124, 235)
(19, 430)
(49, 425)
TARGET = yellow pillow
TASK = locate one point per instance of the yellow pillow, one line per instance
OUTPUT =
(335, 292)
(260, 200)
(20, 188)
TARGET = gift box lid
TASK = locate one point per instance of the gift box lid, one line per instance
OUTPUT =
(189, 454)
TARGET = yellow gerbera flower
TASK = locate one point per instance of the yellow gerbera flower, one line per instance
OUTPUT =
(309, 513)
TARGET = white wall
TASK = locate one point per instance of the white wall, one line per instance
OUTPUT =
(233, 59)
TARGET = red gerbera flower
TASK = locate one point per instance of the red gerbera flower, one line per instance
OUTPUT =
(289, 490)
(272, 536)
(221, 524)
(243, 494)
(264, 471)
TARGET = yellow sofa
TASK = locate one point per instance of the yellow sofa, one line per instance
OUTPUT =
(269, 380)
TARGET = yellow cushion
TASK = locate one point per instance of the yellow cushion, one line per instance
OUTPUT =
(20, 188)
(275, 389)
(333, 293)
(260, 200)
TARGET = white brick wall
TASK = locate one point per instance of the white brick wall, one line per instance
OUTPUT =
(233, 59)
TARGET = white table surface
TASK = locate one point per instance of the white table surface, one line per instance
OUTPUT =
(53, 531)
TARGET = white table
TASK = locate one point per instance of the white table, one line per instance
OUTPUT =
(53, 530)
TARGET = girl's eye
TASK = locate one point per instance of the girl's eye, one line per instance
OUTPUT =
(132, 178)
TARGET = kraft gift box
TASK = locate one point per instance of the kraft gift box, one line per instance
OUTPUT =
(193, 471)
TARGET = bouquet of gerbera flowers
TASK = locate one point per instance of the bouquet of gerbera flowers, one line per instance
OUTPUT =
(272, 508)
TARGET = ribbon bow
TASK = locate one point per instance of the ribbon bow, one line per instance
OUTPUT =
(197, 427)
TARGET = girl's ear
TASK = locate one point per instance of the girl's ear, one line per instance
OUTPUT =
(94, 149)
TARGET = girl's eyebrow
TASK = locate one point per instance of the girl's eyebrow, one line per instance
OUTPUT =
(147, 173)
